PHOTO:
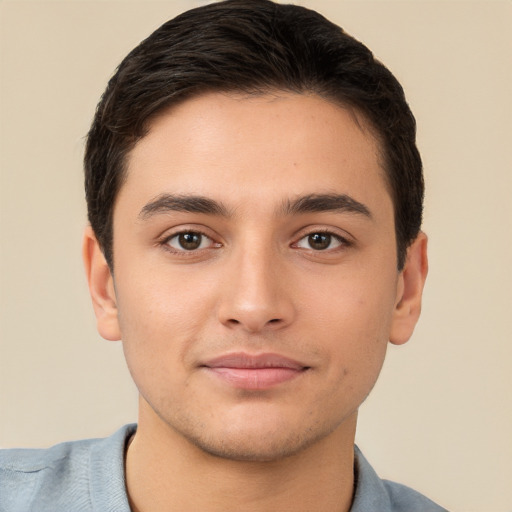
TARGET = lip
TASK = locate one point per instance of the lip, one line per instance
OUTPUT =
(259, 371)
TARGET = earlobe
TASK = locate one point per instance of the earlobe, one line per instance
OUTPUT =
(409, 291)
(101, 287)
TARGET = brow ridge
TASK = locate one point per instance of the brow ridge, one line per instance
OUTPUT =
(165, 203)
(317, 203)
(310, 203)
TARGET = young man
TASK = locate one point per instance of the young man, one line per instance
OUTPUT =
(255, 196)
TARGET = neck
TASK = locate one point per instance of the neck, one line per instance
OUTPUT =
(164, 470)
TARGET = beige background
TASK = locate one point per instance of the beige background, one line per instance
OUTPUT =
(440, 418)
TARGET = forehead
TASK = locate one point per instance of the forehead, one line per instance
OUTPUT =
(258, 148)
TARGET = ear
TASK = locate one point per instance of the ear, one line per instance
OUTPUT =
(409, 291)
(101, 287)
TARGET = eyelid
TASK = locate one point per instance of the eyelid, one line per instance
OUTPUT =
(164, 239)
(204, 239)
(344, 236)
(341, 242)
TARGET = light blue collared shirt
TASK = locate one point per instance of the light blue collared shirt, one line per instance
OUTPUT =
(88, 476)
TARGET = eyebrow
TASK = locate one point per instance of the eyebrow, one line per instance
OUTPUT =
(166, 203)
(313, 203)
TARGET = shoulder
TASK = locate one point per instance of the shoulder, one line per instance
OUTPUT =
(405, 499)
(373, 493)
(66, 475)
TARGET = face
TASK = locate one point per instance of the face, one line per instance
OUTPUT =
(255, 272)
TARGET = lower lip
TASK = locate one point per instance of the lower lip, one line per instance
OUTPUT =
(255, 378)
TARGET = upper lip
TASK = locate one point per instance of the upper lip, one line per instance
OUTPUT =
(255, 361)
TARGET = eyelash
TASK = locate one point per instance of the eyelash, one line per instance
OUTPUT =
(165, 242)
(343, 242)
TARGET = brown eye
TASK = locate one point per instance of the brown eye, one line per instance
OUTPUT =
(189, 241)
(320, 241)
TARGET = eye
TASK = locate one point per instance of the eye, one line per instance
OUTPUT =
(189, 241)
(320, 241)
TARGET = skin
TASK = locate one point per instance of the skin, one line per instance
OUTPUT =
(257, 283)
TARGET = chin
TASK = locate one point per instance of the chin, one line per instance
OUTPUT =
(253, 444)
(250, 449)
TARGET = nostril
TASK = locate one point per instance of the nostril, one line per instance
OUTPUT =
(274, 321)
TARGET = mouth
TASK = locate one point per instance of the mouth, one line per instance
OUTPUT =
(256, 372)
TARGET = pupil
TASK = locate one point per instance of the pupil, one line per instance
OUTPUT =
(319, 241)
(190, 241)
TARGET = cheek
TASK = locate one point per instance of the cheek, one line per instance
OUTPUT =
(356, 353)
(155, 302)
(159, 318)
(351, 302)
(353, 319)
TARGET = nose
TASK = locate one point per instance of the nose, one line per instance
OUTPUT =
(256, 295)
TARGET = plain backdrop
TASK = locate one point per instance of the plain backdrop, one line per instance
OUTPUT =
(440, 418)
